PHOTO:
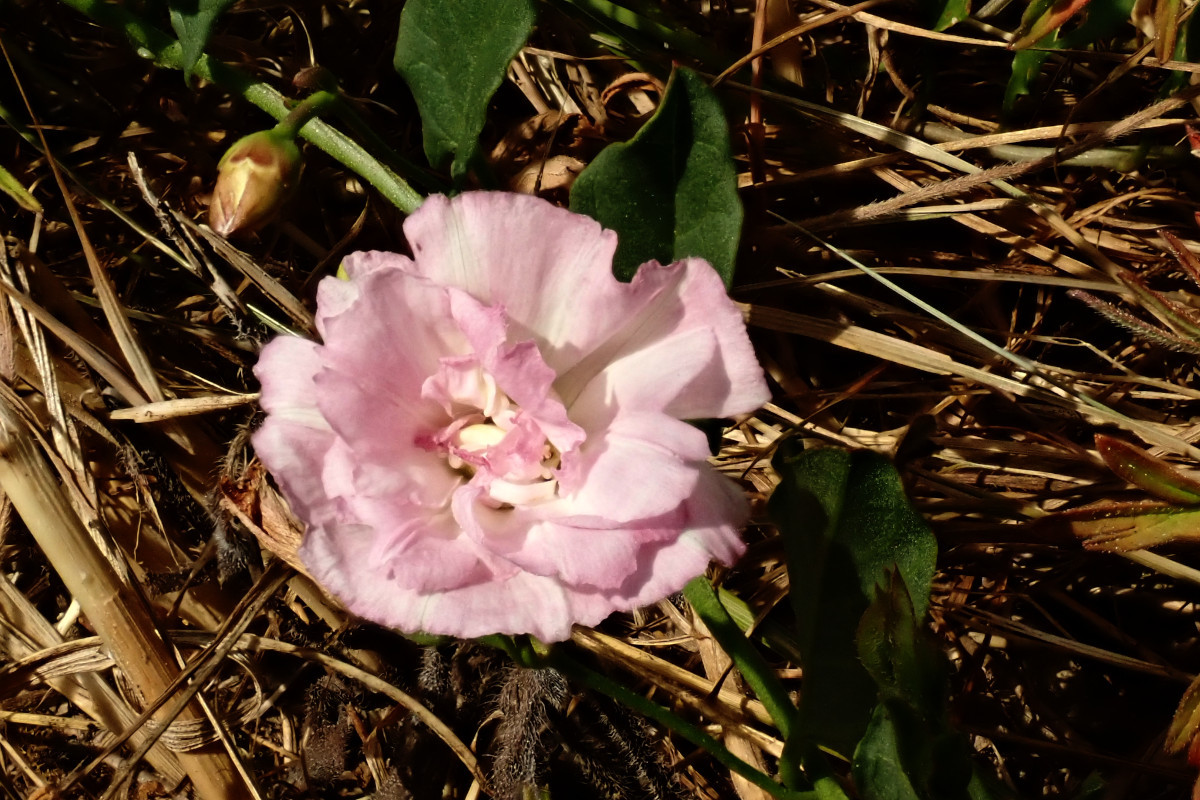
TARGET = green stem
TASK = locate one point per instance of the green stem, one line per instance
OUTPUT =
(154, 44)
(305, 110)
(757, 672)
(754, 668)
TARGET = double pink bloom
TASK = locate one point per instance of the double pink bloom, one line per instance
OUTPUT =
(490, 438)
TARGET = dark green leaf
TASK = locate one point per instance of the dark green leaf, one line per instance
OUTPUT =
(897, 655)
(754, 668)
(1093, 787)
(453, 54)
(878, 769)
(846, 524)
(759, 675)
(193, 22)
(986, 787)
(670, 191)
(903, 756)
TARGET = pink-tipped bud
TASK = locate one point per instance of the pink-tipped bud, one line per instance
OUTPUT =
(255, 178)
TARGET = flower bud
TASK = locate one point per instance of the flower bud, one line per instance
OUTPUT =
(255, 178)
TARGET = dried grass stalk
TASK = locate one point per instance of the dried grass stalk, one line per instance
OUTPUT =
(114, 610)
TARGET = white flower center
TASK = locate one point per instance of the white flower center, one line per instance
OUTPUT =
(490, 441)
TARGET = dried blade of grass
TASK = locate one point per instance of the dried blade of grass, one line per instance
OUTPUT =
(974, 176)
(30, 137)
(988, 275)
(195, 453)
(1030, 368)
(272, 288)
(182, 691)
(113, 609)
(231, 748)
(60, 724)
(1164, 565)
(63, 430)
(94, 356)
(790, 34)
(180, 695)
(1054, 257)
(114, 312)
(912, 355)
(1016, 628)
(87, 691)
(717, 666)
(83, 505)
(667, 675)
(224, 294)
(953, 140)
(182, 407)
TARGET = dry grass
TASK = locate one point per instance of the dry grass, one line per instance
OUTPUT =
(133, 502)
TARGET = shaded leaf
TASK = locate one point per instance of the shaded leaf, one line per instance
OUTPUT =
(913, 689)
(453, 54)
(13, 188)
(670, 191)
(1186, 723)
(896, 654)
(878, 769)
(846, 525)
(1147, 472)
(984, 786)
(193, 22)
(951, 13)
(1051, 20)
(771, 632)
(1102, 19)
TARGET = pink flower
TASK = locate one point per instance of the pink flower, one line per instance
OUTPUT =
(490, 438)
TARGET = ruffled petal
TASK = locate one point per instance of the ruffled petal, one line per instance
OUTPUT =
(687, 314)
(295, 436)
(392, 327)
(380, 433)
(550, 269)
(639, 467)
(360, 563)
(713, 517)
(489, 439)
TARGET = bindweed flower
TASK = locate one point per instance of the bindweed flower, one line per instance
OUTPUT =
(255, 178)
(490, 437)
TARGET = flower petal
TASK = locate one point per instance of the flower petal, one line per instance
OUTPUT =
(380, 433)
(489, 440)
(642, 465)
(685, 304)
(714, 515)
(391, 327)
(295, 436)
(359, 563)
(518, 368)
(550, 269)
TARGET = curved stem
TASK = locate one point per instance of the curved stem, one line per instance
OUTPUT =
(305, 110)
(754, 668)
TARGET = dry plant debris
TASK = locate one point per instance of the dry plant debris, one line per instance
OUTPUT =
(127, 333)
